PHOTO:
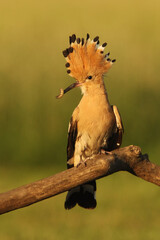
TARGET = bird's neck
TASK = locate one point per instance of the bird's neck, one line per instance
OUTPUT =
(96, 93)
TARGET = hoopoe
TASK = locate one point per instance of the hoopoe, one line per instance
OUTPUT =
(95, 125)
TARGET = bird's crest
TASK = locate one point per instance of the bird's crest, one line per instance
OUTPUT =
(85, 59)
(85, 56)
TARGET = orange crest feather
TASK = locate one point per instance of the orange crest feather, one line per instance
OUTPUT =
(85, 58)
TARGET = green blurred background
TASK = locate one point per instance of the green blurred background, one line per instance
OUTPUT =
(33, 124)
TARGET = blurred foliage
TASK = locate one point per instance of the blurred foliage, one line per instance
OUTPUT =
(127, 210)
(33, 124)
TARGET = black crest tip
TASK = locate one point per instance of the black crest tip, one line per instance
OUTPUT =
(96, 39)
(70, 50)
(73, 38)
(67, 64)
(87, 36)
(70, 39)
(114, 60)
(104, 44)
(65, 53)
(107, 55)
(82, 41)
(78, 40)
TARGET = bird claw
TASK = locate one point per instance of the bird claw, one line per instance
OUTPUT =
(102, 151)
(82, 163)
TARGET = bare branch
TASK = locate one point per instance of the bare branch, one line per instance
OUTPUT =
(124, 159)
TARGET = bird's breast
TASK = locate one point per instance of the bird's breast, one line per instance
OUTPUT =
(96, 122)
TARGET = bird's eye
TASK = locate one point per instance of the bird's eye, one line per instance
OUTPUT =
(89, 77)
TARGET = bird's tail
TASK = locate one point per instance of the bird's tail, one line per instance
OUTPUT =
(83, 195)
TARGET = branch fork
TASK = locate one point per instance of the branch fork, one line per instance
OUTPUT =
(128, 159)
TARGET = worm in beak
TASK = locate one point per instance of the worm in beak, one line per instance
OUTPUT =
(62, 92)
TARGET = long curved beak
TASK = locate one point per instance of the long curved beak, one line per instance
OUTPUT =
(62, 92)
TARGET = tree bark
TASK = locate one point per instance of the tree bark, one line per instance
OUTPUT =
(123, 159)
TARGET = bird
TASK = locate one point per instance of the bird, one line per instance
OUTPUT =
(95, 126)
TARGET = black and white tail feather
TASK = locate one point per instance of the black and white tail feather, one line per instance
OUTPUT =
(83, 195)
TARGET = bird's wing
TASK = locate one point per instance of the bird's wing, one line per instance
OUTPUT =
(115, 140)
(72, 135)
(119, 125)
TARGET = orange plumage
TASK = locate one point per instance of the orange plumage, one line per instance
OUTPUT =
(86, 57)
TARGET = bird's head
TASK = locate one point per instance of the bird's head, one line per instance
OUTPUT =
(86, 62)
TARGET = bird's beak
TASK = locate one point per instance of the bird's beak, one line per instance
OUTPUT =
(62, 92)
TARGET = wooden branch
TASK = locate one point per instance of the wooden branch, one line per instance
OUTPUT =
(124, 159)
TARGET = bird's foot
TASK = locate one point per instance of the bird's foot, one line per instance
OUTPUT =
(102, 151)
(83, 162)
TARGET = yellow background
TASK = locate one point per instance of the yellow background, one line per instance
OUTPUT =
(33, 124)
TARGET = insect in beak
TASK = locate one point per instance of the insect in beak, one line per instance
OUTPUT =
(62, 92)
